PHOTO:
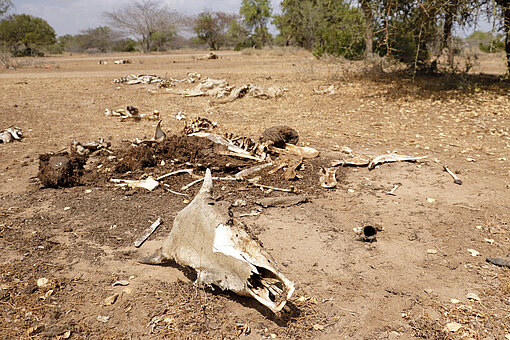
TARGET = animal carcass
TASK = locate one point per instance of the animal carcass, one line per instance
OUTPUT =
(206, 238)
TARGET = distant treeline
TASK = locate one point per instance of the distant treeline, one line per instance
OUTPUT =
(412, 32)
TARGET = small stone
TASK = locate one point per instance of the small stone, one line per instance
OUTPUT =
(479, 227)
(350, 190)
(470, 159)
(103, 318)
(431, 251)
(473, 252)
(453, 326)
(431, 200)
(473, 296)
(67, 208)
(273, 336)
(66, 335)
(489, 240)
(318, 327)
(88, 191)
(455, 301)
(42, 282)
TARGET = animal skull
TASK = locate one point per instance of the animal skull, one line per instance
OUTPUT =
(206, 238)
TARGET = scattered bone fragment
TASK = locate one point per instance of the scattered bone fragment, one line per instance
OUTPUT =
(329, 90)
(159, 137)
(187, 171)
(241, 175)
(393, 157)
(280, 135)
(456, 179)
(122, 61)
(209, 56)
(327, 178)
(233, 149)
(473, 252)
(290, 171)
(11, 134)
(147, 232)
(255, 184)
(392, 191)
(361, 160)
(353, 160)
(206, 238)
(499, 261)
(85, 148)
(302, 151)
(282, 201)
(366, 234)
(149, 183)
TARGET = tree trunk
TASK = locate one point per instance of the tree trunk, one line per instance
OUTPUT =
(506, 13)
(369, 28)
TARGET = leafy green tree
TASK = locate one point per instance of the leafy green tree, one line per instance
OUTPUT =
(299, 22)
(24, 34)
(212, 27)
(237, 35)
(256, 15)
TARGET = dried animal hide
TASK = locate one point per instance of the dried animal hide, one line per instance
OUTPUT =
(206, 238)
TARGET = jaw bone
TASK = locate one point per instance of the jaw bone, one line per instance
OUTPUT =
(206, 238)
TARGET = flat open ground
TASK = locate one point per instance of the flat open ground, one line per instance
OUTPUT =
(400, 287)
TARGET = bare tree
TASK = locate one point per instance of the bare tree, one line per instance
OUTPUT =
(5, 6)
(145, 20)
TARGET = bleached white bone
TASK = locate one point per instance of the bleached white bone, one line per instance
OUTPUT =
(206, 238)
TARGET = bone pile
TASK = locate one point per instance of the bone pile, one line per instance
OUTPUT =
(11, 134)
(199, 124)
(156, 80)
(86, 148)
(220, 89)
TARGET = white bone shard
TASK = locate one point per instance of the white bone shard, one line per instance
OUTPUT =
(206, 238)
(149, 183)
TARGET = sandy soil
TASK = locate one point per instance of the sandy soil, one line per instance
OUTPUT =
(411, 283)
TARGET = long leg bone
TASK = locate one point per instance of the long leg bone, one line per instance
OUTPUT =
(456, 179)
(392, 158)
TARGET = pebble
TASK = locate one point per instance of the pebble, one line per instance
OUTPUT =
(474, 252)
(453, 326)
(473, 296)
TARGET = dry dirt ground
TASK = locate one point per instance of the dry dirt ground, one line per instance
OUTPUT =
(409, 284)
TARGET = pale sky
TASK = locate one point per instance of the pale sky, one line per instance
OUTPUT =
(73, 16)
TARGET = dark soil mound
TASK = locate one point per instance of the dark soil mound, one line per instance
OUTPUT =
(60, 170)
(196, 151)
